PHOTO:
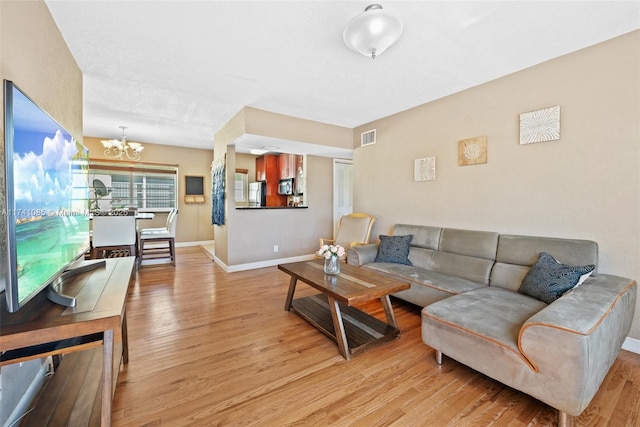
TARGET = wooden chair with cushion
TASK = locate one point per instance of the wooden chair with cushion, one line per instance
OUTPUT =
(353, 229)
(159, 243)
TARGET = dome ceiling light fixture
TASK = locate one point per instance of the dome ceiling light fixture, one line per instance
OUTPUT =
(372, 32)
(121, 148)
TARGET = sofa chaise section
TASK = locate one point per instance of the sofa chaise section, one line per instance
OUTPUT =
(558, 353)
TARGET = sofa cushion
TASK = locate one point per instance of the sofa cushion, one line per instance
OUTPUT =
(516, 254)
(467, 254)
(548, 279)
(452, 285)
(467, 267)
(424, 236)
(477, 244)
(524, 250)
(394, 249)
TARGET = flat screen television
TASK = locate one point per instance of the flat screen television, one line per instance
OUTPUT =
(44, 221)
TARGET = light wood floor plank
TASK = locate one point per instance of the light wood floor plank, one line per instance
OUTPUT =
(209, 348)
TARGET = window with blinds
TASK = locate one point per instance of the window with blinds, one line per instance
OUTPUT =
(120, 185)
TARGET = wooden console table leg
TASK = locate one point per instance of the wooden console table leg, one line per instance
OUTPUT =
(125, 339)
(388, 310)
(341, 337)
(107, 377)
(292, 289)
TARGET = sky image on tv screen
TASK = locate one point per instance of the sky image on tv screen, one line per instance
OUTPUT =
(50, 170)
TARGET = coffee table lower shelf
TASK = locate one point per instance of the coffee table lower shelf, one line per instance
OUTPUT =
(361, 329)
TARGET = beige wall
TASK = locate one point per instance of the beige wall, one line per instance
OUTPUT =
(585, 185)
(194, 220)
(36, 58)
(232, 130)
(274, 125)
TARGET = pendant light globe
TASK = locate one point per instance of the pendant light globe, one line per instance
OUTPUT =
(372, 32)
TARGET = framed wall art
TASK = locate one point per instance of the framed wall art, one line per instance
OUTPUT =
(540, 125)
(424, 169)
(472, 151)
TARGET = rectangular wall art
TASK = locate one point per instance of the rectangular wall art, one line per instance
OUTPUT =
(540, 125)
(424, 169)
(472, 151)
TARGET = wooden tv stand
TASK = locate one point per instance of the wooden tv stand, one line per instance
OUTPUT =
(43, 328)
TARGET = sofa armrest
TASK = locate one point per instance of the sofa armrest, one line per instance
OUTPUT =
(574, 341)
(362, 254)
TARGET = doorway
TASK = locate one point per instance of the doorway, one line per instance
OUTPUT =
(342, 190)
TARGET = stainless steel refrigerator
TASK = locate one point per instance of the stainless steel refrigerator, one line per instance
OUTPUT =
(257, 194)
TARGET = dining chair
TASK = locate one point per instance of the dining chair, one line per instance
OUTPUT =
(159, 243)
(113, 233)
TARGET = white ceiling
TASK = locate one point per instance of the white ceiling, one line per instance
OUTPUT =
(174, 72)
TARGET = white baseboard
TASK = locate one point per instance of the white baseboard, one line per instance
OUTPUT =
(261, 264)
(632, 345)
(185, 244)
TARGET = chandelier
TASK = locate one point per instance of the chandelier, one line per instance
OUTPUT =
(372, 32)
(121, 148)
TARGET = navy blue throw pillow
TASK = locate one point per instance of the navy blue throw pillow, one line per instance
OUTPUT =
(394, 249)
(548, 279)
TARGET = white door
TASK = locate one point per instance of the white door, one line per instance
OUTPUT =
(342, 190)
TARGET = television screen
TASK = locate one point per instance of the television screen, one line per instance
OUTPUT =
(46, 199)
(194, 185)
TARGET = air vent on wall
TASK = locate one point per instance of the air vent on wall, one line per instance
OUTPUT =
(368, 137)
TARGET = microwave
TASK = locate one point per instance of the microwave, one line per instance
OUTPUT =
(285, 187)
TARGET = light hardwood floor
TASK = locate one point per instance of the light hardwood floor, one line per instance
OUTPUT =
(209, 348)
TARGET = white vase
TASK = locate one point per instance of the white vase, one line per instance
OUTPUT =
(332, 265)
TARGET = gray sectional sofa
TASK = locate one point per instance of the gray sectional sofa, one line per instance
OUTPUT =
(468, 283)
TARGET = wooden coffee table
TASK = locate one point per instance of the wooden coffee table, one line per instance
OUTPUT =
(332, 312)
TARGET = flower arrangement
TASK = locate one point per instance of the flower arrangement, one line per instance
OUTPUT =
(328, 251)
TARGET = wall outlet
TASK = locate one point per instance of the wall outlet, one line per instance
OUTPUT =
(275, 248)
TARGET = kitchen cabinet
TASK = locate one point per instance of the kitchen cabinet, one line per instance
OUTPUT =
(288, 164)
(268, 169)
(261, 173)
